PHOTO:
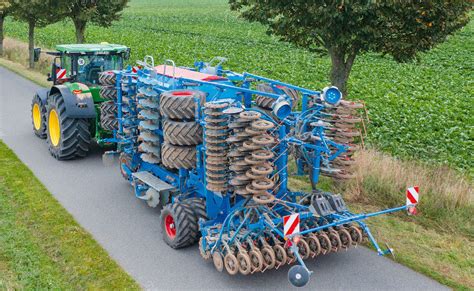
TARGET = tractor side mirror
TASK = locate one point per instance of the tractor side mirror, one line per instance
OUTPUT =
(36, 54)
(126, 54)
(52, 75)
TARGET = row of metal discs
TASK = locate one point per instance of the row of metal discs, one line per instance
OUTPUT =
(342, 126)
(250, 156)
(236, 151)
(258, 256)
(149, 118)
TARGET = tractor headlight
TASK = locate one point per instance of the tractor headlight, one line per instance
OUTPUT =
(331, 95)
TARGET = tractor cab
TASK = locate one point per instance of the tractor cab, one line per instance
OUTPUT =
(83, 62)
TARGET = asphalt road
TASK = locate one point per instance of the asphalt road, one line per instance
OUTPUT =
(103, 203)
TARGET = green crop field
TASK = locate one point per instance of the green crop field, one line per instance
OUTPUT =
(422, 110)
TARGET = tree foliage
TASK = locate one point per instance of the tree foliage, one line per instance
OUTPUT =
(100, 12)
(346, 28)
(4, 11)
(37, 13)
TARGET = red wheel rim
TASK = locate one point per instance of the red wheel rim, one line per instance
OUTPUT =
(182, 93)
(170, 226)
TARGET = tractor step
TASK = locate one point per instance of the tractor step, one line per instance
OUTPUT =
(152, 181)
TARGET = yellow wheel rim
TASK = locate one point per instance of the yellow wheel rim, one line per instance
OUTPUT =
(36, 116)
(54, 128)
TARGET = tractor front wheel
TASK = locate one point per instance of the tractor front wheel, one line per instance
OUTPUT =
(68, 138)
(38, 117)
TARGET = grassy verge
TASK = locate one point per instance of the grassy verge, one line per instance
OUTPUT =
(439, 242)
(41, 246)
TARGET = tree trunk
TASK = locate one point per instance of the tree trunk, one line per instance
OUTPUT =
(31, 43)
(80, 26)
(2, 19)
(341, 68)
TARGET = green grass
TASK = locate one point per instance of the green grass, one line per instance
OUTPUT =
(442, 256)
(422, 110)
(41, 246)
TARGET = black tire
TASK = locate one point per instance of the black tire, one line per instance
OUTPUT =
(75, 136)
(262, 101)
(39, 130)
(108, 92)
(107, 78)
(184, 133)
(108, 108)
(267, 102)
(179, 104)
(198, 205)
(109, 122)
(183, 230)
(175, 157)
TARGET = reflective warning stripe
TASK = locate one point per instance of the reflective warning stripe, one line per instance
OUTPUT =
(291, 224)
(60, 73)
(412, 195)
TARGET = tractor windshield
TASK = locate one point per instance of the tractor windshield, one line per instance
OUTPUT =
(89, 66)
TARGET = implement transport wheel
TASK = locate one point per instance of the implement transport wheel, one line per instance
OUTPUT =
(107, 78)
(180, 104)
(38, 117)
(198, 205)
(175, 157)
(298, 276)
(184, 133)
(179, 225)
(68, 138)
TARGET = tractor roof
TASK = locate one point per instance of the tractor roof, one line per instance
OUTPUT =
(91, 48)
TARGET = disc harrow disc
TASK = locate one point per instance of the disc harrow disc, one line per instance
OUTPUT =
(250, 115)
(150, 158)
(148, 125)
(146, 147)
(147, 103)
(263, 198)
(149, 114)
(148, 137)
(262, 125)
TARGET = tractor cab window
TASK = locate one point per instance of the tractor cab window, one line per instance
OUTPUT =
(89, 66)
(66, 64)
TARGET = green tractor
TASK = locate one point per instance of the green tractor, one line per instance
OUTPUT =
(79, 107)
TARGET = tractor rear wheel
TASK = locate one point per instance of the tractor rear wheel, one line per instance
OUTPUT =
(184, 133)
(179, 104)
(175, 157)
(179, 225)
(68, 138)
(38, 117)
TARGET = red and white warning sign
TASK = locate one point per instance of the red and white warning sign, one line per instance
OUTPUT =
(412, 199)
(60, 74)
(291, 224)
(135, 69)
